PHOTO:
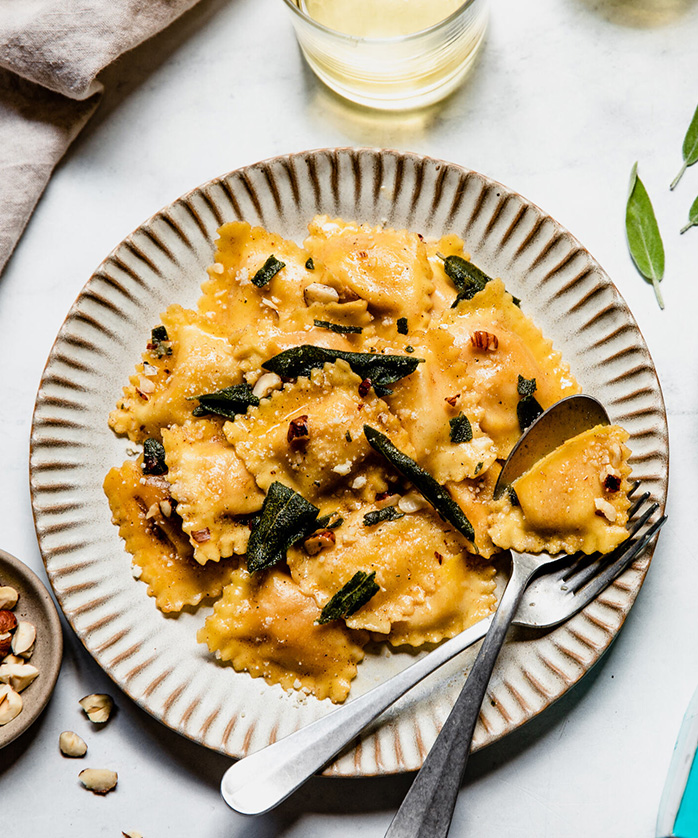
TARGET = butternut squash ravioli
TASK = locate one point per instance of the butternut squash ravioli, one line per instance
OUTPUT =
(321, 440)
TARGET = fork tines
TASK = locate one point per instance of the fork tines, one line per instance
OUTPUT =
(599, 570)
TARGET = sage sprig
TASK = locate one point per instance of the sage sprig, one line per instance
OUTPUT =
(268, 271)
(286, 517)
(381, 370)
(437, 495)
(357, 592)
(689, 149)
(644, 238)
(692, 217)
(228, 402)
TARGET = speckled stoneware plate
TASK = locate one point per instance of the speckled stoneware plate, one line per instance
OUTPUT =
(156, 660)
(35, 606)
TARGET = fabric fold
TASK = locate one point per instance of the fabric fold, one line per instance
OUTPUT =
(51, 52)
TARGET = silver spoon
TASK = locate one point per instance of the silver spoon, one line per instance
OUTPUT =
(427, 809)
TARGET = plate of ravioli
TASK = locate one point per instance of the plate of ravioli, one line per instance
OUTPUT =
(266, 441)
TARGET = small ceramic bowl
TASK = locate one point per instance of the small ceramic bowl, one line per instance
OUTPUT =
(36, 606)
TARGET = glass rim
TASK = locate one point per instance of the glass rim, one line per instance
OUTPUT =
(294, 5)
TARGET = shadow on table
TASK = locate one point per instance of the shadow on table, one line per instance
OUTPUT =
(134, 68)
(641, 14)
(356, 796)
(385, 128)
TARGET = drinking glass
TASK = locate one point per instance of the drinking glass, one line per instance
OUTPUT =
(394, 73)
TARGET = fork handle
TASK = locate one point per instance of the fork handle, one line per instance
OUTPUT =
(259, 782)
(427, 809)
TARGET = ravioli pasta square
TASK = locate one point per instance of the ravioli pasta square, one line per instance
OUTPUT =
(499, 343)
(438, 393)
(464, 594)
(345, 547)
(265, 625)
(215, 493)
(334, 458)
(388, 269)
(193, 360)
(405, 555)
(576, 498)
(162, 556)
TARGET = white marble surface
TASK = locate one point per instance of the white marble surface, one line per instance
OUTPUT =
(567, 95)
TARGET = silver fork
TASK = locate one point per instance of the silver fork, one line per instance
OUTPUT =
(264, 779)
(427, 809)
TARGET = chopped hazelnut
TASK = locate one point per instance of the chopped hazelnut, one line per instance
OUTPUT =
(606, 509)
(98, 780)
(8, 622)
(8, 597)
(317, 542)
(97, 707)
(484, 341)
(72, 745)
(298, 430)
(23, 639)
(316, 292)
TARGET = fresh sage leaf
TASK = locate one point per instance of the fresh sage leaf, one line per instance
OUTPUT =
(154, 457)
(423, 482)
(228, 402)
(377, 516)
(338, 328)
(689, 149)
(286, 517)
(268, 271)
(644, 238)
(348, 599)
(461, 429)
(692, 217)
(382, 370)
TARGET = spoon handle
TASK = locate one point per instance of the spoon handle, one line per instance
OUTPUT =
(427, 809)
(262, 780)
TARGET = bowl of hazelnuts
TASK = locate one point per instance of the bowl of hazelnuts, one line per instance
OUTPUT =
(31, 647)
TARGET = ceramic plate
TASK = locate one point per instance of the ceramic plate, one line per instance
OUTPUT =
(156, 660)
(35, 606)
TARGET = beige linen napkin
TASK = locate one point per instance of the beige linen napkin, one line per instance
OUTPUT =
(51, 52)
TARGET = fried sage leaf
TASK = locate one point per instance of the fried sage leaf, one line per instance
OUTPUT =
(338, 328)
(423, 482)
(286, 517)
(644, 238)
(382, 370)
(402, 327)
(310, 265)
(268, 271)
(467, 278)
(461, 429)
(377, 516)
(528, 409)
(689, 149)
(348, 599)
(692, 217)
(228, 402)
(154, 457)
(159, 342)
(329, 522)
